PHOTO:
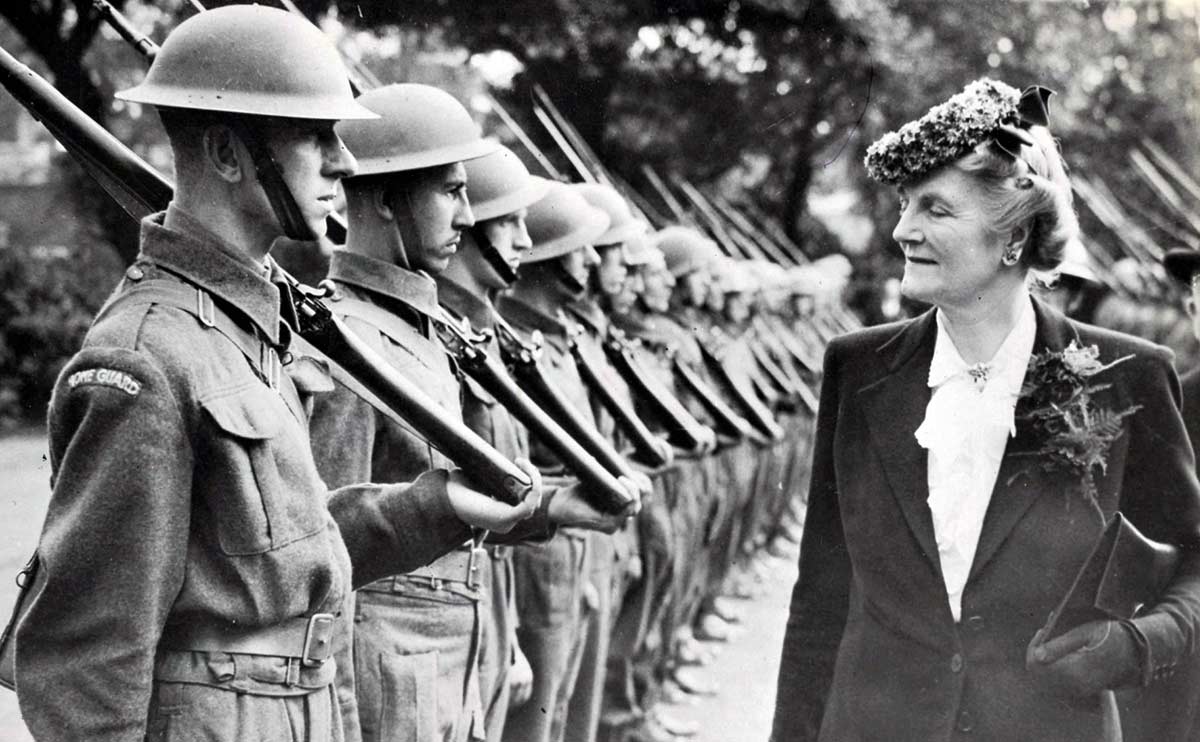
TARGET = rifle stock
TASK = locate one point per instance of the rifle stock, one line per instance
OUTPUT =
(683, 430)
(523, 360)
(645, 443)
(728, 422)
(755, 411)
(140, 191)
(602, 487)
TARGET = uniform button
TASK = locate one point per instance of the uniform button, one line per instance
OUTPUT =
(956, 663)
(134, 273)
(965, 722)
(975, 623)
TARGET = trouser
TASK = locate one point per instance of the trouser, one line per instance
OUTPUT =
(637, 644)
(499, 641)
(416, 655)
(550, 580)
(606, 561)
(241, 698)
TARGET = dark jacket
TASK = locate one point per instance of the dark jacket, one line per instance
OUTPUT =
(872, 651)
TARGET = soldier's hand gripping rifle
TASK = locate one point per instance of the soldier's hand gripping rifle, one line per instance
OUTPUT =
(141, 191)
(523, 358)
(601, 486)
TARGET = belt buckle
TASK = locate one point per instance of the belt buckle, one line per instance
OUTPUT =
(318, 639)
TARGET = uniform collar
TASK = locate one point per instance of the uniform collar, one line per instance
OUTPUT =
(413, 288)
(650, 328)
(456, 298)
(590, 315)
(528, 317)
(190, 250)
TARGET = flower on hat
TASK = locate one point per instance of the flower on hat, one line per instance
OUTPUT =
(944, 134)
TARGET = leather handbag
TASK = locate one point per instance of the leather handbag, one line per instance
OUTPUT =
(1124, 573)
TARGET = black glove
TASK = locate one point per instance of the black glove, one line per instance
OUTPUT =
(1089, 658)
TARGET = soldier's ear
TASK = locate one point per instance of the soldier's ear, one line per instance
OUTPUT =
(382, 200)
(224, 153)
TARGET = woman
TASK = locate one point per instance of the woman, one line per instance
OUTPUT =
(940, 534)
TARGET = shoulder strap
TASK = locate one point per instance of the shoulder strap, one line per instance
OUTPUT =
(262, 357)
(396, 329)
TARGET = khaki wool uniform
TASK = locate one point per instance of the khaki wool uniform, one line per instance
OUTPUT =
(609, 555)
(495, 424)
(552, 587)
(187, 516)
(416, 635)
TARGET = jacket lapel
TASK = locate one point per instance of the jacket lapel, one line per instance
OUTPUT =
(894, 407)
(1019, 483)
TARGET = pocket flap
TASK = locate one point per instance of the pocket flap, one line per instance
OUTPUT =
(249, 413)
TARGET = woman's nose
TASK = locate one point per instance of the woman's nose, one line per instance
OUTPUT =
(906, 230)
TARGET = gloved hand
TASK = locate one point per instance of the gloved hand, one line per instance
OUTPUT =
(1089, 658)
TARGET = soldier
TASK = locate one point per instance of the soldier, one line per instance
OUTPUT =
(671, 525)
(553, 588)
(501, 192)
(192, 564)
(416, 637)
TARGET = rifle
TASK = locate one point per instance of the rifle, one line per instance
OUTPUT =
(468, 348)
(645, 443)
(683, 430)
(523, 137)
(140, 191)
(766, 244)
(755, 412)
(523, 356)
(728, 422)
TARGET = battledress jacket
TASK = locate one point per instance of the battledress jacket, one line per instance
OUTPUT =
(185, 493)
(872, 651)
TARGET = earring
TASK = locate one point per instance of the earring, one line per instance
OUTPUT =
(1011, 255)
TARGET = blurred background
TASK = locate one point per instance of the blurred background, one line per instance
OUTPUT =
(769, 104)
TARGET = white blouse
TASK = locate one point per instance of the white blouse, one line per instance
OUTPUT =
(967, 425)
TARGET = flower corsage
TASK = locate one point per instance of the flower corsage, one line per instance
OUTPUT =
(1058, 401)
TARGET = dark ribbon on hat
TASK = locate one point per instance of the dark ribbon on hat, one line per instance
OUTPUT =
(1031, 111)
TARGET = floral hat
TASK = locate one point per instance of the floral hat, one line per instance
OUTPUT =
(985, 109)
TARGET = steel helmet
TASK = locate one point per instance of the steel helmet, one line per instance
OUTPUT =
(623, 225)
(638, 250)
(655, 259)
(499, 184)
(562, 222)
(735, 276)
(248, 59)
(686, 249)
(422, 127)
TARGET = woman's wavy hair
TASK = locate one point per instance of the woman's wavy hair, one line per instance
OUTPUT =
(1031, 191)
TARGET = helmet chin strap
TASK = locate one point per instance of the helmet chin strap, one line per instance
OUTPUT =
(568, 280)
(492, 255)
(283, 203)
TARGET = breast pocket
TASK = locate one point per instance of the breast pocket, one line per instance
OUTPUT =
(258, 480)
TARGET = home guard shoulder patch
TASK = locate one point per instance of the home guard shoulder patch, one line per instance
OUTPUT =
(105, 377)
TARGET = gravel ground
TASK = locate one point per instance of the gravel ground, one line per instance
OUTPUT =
(745, 667)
